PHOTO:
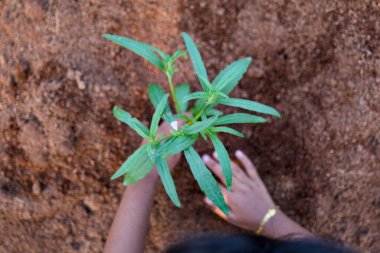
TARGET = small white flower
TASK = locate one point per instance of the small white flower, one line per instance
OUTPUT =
(174, 125)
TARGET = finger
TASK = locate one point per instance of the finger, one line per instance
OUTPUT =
(225, 193)
(165, 128)
(182, 121)
(217, 211)
(237, 172)
(215, 156)
(247, 163)
(214, 167)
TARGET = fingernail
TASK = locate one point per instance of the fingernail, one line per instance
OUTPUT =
(215, 154)
(174, 125)
(239, 154)
(208, 202)
(206, 158)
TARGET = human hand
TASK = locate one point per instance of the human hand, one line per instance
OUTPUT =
(130, 225)
(164, 130)
(249, 200)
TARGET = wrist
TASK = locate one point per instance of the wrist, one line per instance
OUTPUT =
(269, 215)
(282, 226)
(273, 228)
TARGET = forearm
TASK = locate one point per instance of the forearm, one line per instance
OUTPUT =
(131, 223)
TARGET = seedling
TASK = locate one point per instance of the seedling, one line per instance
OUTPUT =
(204, 120)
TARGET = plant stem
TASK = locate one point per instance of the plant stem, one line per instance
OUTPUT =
(172, 91)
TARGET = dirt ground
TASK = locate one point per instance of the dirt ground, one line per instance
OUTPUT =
(317, 62)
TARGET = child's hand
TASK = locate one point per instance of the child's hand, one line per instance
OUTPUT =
(164, 130)
(248, 200)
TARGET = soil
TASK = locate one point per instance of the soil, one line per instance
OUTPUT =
(317, 62)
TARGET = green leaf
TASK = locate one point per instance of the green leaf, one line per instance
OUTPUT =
(223, 158)
(197, 107)
(167, 180)
(157, 115)
(199, 126)
(237, 118)
(133, 123)
(139, 163)
(176, 144)
(213, 112)
(231, 75)
(219, 93)
(206, 181)
(155, 93)
(151, 150)
(196, 58)
(135, 175)
(181, 92)
(138, 48)
(165, 57)
(204, 136)
(250, 105)
(178, 54)
(205, 83)
(183, 116)
(195, 95)
(229, 130)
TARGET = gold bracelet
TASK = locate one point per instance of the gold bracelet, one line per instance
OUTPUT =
(269, 215)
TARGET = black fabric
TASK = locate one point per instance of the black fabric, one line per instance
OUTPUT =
(254, 244)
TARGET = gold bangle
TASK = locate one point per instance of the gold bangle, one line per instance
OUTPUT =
(269, 215)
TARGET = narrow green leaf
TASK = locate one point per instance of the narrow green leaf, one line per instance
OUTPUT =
(229, 130)
(181, 92)
(155, 93)
(206, 181)
(175, 145)
(205, 83)
(133, 123)
(199, 126)
(223, 158)
(134, 175)
(250, 105)
(167, 180)
(138, 48)
(197, 107)
(178, 54)
(151, 151)
(164, 56)
(231, 75)
(183, 117)
(196, 58)
(138, 161)
(195, 95)
(219, 93)
(213, 112)
(157, 115)
(237, 118)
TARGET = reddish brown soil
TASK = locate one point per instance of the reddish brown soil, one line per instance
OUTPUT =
(317, 62)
